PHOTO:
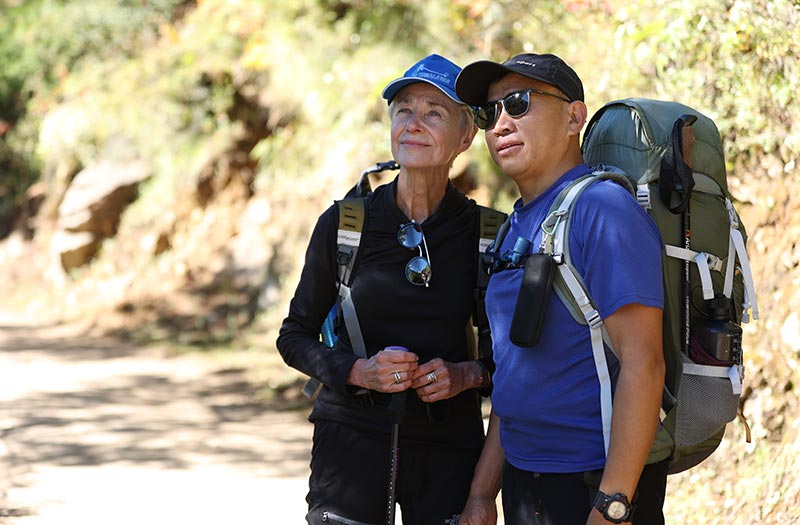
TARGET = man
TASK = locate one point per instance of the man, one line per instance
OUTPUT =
(545, 442)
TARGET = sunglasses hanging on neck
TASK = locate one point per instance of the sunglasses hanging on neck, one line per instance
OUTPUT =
(418, 269)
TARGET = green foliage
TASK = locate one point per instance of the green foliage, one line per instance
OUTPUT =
(738, 62)
(83, 80)
(374, 21)
(43, 43)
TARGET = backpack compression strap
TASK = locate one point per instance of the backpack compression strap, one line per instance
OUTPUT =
(706, 262)
(736, 245)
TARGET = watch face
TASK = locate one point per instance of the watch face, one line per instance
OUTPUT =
(616, 510)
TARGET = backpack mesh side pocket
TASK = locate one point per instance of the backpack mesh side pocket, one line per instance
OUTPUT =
(707, 400)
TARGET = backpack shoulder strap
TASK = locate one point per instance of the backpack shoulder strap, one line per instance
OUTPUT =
(352, 221)
(569, 284)
(352, 212)
(555, 240)
(490, 222)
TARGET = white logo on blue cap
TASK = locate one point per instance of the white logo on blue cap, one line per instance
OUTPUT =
(443, 78)
(424, 72)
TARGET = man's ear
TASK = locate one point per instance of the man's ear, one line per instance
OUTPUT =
(577, 117)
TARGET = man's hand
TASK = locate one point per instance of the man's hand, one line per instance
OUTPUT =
(479, 511)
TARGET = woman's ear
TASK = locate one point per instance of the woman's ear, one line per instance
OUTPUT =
(468, 137)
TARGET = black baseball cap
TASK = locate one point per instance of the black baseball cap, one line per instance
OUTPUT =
(472, 84)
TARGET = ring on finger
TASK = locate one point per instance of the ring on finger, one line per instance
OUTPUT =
(431, 377)
(397, 378)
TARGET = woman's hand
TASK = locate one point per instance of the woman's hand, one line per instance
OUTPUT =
(389, 370)
(439, 379)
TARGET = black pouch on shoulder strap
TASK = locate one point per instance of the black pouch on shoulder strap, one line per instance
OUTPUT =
(534, 295)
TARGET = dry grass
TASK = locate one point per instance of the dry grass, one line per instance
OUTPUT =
(741, 484)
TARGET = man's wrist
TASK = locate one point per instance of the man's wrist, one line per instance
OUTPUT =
(615, 508)
(484, 376)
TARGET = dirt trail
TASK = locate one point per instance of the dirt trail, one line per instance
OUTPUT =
(94, 431)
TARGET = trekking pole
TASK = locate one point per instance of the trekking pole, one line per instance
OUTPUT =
(687, 141)
(394, 461)
(396, 408)
(677, 176)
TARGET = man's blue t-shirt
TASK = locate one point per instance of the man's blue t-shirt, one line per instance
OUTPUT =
(548, 396)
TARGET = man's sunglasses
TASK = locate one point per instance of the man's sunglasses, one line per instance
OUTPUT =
(418, 269)
(516, 104)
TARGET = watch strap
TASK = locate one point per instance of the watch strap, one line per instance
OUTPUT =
(603, 501)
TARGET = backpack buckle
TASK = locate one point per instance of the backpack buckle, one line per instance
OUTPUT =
(343, 257)
(594, 319)
(643, 196)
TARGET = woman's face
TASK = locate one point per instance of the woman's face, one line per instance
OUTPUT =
(427, 128)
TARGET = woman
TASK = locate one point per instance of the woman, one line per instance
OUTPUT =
(413, 290)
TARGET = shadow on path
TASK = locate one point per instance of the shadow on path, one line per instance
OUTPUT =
(69, 401)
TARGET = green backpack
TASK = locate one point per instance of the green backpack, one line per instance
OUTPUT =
(670, 157)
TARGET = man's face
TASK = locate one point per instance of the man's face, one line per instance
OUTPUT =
(427, 131)
(534, 142)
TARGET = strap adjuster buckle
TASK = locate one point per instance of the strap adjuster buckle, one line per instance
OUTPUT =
(594, 319)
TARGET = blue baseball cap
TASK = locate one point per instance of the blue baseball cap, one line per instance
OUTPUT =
(434, 70)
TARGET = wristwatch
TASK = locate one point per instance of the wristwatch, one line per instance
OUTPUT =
(486, 377)
(615, 509)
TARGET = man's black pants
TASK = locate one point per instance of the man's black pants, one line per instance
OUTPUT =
(530, 498)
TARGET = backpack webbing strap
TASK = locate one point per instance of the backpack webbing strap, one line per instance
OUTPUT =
(732, 373)
(705, 263)
(351, 321)
(598, 334)
(352, 215)
(676, 177)
(736, 245)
